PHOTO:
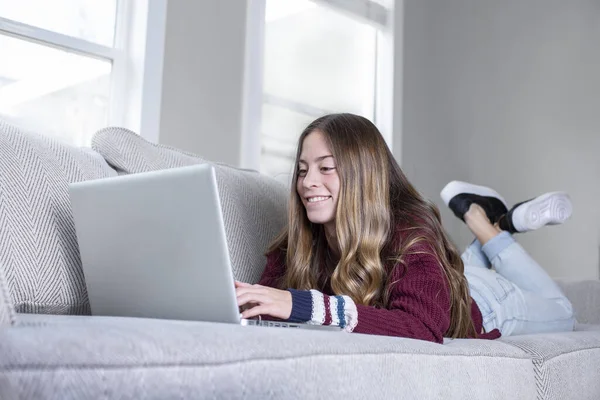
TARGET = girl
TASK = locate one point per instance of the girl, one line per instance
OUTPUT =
(365, 251)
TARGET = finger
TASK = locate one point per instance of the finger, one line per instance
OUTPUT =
(240, 291)
(239, 284)
(260, 290)
(255, 311)
(244, 290)
(251, 297)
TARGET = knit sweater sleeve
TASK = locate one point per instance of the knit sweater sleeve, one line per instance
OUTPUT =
(419, 304)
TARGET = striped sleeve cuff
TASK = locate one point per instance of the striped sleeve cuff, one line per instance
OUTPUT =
(301, 305)
(315, 308)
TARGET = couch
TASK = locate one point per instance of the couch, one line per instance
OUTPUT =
(51, 348)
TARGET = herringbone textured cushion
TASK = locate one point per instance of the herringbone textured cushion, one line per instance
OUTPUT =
(129, 153)
(7, 312)
(38, 245)
(566, 364)
(254, 206)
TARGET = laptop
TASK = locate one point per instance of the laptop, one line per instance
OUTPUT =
(153, 245)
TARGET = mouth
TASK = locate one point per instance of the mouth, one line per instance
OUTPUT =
(317, 199)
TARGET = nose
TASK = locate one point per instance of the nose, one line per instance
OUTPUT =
(312, 178)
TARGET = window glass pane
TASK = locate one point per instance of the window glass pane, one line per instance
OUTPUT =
(385, 3)
(53, 92)
(316, 59)
(281, 128)
(277, 166)
(283, 124)
(92, 20)
(320, 57)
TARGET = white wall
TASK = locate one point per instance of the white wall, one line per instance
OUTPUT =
(507, 94)
(202, 87)
(499, 93)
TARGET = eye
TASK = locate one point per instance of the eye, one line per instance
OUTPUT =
(301, 172)
(327, 169)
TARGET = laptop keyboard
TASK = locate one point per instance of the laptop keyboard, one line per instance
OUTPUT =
(274, 324)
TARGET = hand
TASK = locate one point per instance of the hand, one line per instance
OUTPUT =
(263, 301)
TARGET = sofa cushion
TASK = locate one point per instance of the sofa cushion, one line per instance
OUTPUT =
(567, 365)
(102, 357)
(38, 245)
(585, 297)
(254, 205)
(129, 153)
(7, 312)
(587, 327)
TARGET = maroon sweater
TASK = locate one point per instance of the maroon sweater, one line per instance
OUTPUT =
(419, 306)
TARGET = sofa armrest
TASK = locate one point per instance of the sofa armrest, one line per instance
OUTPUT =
(585, 298)
(7, 311)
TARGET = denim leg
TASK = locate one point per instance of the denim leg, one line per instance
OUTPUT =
(521, 297)
(475, 257)
(512, 261)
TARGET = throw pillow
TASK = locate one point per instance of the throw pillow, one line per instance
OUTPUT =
(38, 245)
(254, 205)
(7, 312)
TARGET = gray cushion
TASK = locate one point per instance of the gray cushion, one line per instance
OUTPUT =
(585, 297)
(254, 206)
(587, 327)
(567, 365)
(129, 153)
(7, 312)
(95, 357)
(38, 245)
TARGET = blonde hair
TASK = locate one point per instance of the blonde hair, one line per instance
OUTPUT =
(374, 198)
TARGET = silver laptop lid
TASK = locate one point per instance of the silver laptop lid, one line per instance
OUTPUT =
(154, 245)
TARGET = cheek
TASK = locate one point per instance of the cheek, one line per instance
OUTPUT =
(334, 186)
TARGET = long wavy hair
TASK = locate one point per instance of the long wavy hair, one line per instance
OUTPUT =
(375, 198)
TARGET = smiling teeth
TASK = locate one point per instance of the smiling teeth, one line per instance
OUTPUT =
(315, 199)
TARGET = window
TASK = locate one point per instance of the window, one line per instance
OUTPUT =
(319, 57)
(59, 58)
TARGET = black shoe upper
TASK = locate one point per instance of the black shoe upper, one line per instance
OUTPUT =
(494, 208)
(506, 223)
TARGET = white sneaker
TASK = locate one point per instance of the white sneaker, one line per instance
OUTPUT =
(548, 209)
(459, 196)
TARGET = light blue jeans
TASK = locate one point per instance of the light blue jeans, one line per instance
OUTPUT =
(517, 296)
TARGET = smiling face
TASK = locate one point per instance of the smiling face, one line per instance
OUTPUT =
(318, 182)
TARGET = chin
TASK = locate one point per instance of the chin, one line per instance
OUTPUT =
(319, 219)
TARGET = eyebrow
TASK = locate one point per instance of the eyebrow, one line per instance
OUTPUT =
(317, 159)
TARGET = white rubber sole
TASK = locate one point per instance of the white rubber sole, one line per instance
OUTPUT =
(548, 209)
(457, 187)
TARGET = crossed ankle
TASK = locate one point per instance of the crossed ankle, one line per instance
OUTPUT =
(476, 213)
(484, 232)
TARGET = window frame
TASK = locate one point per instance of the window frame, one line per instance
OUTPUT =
(136, 57)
